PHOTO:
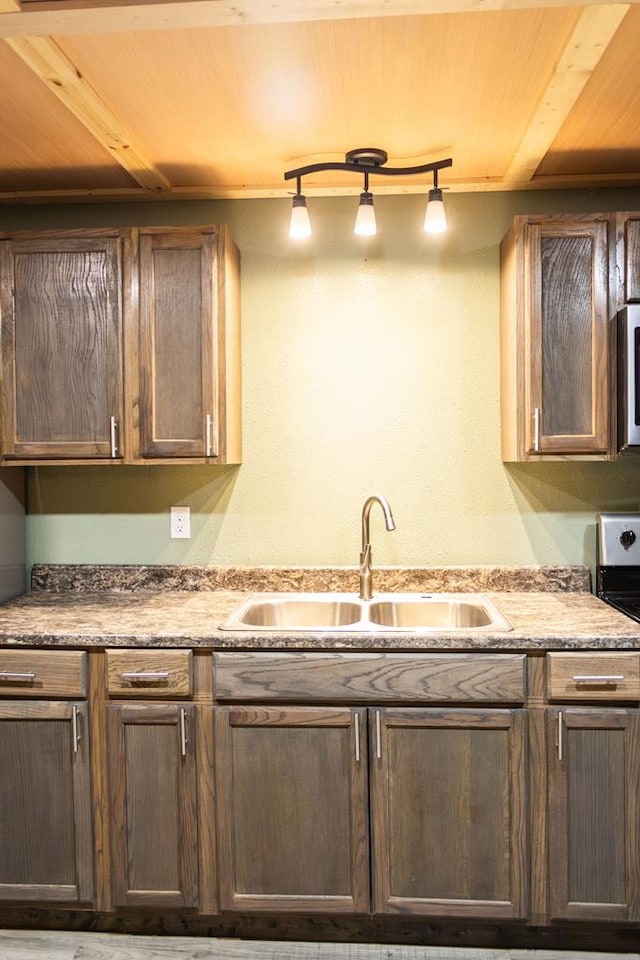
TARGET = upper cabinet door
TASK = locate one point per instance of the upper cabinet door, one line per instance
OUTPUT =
(189, 345)
(628, 239)
(61, 309)
(555, 338)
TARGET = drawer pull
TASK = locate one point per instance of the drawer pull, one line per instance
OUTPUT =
(7, 676)
(75, 727)
(559, 743)
(146, 676)
(357, 732)
(183, 732)
(594, 678)
(378, 737)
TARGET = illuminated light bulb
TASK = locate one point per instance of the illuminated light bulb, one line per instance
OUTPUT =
(299, 225)
(435, 219)
(365, 225)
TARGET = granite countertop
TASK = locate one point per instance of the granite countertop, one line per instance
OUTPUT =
(102, 609)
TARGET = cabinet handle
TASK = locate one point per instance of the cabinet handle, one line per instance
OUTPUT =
(357, 732)
(183, 732)
(75, 727)
(536, 430)
(146, 676)
(588, 678)
(7, 676)
(208, 435)
(114, 425)
(378, 737)
(560, 735)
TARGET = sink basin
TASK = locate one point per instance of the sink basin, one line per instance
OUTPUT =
(344, 612)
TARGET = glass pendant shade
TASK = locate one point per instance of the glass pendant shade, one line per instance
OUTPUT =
(435, 220)
(299, 225)
(365, 225)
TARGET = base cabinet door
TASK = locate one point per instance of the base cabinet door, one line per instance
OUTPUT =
(594, 814)
(152, 779)
(45, 803)
(292, 809)
(448, 812)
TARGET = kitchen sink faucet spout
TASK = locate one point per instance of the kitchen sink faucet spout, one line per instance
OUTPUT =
(366, 574)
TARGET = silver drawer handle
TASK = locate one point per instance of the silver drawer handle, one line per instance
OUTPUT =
(208, 432)
(114, 425)
(588, 678)
(7, 676)
(148, 675)
(536, 430)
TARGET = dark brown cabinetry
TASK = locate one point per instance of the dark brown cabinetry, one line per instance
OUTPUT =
(152, 760)
(152, 768)
(628, 256)
(445, 786)
(62, 346)
(449, 812)
(120, 346)
(45, 798)
(292, 809)
(556, 302)
(594, 814)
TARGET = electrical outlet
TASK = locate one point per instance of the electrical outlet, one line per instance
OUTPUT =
(180, 523)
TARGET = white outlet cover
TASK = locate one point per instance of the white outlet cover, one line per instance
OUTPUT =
(180, 523)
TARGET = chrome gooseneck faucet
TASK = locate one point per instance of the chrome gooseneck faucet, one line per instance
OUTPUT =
(366, 574)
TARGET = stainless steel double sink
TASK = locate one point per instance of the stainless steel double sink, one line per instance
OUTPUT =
(345, 612)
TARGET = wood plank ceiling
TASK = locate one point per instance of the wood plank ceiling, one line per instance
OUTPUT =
(113, 99)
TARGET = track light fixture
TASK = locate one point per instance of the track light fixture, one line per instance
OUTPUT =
(367, 160)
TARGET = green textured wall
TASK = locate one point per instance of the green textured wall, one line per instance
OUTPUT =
(369, 366)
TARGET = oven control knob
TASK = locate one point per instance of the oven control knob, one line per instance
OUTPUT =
(627, 538)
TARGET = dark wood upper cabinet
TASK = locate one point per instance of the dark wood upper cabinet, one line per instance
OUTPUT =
(62, 346)
(594, 814)
(557, 298)
(120, 345)
(628, 256)
(449, 812)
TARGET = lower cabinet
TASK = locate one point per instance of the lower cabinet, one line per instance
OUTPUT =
(447, 801)
(152, 781)
(45, 802)
(594, 813)
(449, 812)
(291, 786)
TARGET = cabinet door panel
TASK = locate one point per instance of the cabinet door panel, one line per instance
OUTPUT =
(153, 795)
(178, 333)
(292, 809)
(448, 812)
(62, 346)
(45, 804)
(629, 231)
(594, 782)
(569, 324)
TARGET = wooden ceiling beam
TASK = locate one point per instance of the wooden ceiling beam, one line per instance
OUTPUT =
(45, 58)
(594, 30)
(79, 17)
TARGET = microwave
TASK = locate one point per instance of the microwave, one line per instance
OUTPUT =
(629, 379)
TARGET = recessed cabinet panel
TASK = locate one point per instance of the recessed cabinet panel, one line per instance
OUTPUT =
(594, 835)
(45, 803)
(62, 347)
(629, 256)
(449, 816)
(178, 339)
(556, 277)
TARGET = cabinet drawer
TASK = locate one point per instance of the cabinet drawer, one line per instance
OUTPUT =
(593, 676)
(426, 678)
(43, 673)
(150, 674)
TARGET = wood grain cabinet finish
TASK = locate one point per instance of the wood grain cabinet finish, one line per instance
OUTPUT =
(628, 256)
(120, 345)
(189, 345)
(556, 278)
(594, 814)
(292, 809)
(449, 812)
(594, 676)
(45, 803)
(62, 346)
(48, 674)
(149, 674)
(152, 785)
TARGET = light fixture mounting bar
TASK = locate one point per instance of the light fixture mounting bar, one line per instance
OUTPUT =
(372, 160)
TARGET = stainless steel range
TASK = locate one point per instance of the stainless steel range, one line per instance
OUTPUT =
(618, 561)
